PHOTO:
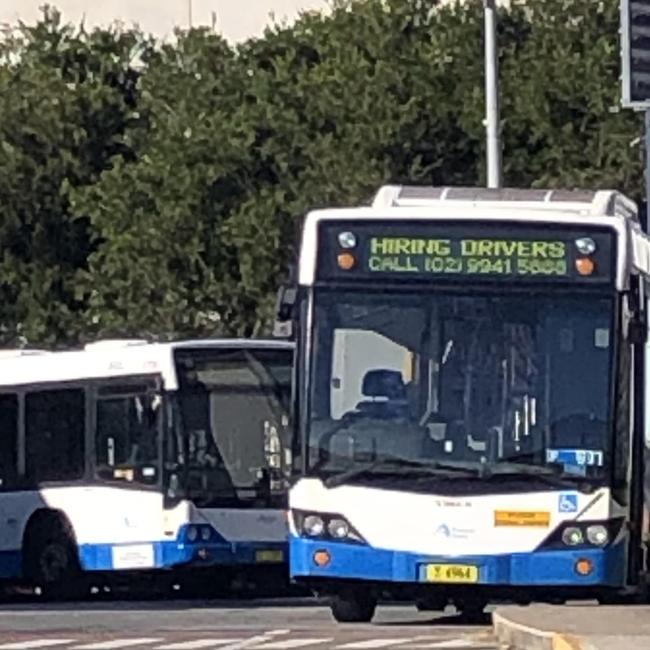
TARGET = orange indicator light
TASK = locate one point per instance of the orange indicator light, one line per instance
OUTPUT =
(322, 558)
(584, 567)
(346, 261)
(585, 266)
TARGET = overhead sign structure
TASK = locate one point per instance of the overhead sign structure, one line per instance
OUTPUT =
(635, 52)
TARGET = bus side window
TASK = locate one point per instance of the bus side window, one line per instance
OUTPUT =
(54, 428)
(8, 441)
(127, 437)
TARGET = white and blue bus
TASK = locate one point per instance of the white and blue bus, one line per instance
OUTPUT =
(470, 422)
(133, 456)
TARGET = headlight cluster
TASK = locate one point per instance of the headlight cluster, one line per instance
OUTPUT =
(596, 534)
(199, 532)
(319, 525)
(583, 534)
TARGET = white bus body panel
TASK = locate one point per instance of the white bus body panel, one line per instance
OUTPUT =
(430, 524)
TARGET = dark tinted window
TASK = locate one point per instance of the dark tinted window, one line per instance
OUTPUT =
(8, 440)
(54, 423)
(234, 409)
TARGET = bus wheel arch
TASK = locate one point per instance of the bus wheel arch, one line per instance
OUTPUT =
(50, 552)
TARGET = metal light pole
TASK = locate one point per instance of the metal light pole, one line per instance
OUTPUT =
(492, 118)
(189, 13)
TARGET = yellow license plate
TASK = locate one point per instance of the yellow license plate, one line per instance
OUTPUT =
(269, 556)
(451, 573)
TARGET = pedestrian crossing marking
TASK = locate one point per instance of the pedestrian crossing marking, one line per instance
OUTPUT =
(265, 641)
(450, 644)
(251, 642)
(290, 643)
(197, 644)
(36, 644)
(116, 644)
(374, 643)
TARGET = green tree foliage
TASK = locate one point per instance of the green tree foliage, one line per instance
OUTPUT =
(166, 198)
(66, 100)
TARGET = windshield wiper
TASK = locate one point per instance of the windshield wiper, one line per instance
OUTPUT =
(545, 474)
(399, 466)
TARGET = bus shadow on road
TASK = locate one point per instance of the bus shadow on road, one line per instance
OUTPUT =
(448, 618)
(123, 603)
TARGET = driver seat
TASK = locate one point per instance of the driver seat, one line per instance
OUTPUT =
(386, 395)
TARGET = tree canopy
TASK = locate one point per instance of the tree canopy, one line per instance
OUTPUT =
(157, 189)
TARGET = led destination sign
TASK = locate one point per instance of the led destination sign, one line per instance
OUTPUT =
(411, 250)
(469, 256)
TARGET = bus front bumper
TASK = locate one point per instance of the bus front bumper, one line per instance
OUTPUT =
(316, 560)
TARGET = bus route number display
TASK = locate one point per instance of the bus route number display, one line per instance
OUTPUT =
(469, 256)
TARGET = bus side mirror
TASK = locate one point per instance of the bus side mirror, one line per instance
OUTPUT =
(284, 311)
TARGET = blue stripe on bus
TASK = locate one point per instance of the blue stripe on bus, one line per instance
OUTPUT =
(166, 555)
(544, 568)
(172, 554)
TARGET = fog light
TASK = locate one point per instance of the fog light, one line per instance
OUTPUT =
(584, 567)
(322, 558)
(203, 553)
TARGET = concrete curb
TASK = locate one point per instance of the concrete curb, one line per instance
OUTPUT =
(524, 637)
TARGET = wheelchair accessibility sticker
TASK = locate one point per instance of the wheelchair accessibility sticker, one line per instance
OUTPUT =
(568, 502)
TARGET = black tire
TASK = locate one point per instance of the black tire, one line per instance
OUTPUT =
(353, 607)
(51, 561)
(473, 611)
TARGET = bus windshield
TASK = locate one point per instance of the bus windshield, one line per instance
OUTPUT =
(478, 379)
(231, 424)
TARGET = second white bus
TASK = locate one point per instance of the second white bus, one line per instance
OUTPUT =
(134, 456)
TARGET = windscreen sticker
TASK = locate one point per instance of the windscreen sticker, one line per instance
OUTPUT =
(575, 457)
(601, 338)
(567, 502)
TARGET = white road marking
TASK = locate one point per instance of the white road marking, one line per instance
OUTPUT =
(35, 643)
(290, 643)
(253, 641)
(375, 643)
(116, 644)
(197, 644)
(450, 644)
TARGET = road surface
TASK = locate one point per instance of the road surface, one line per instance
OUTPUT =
(227, 625)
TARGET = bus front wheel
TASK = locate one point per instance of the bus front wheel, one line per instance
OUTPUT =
(50, 558)
(354, 606)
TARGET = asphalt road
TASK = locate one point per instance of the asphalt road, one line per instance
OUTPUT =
(226, 625)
